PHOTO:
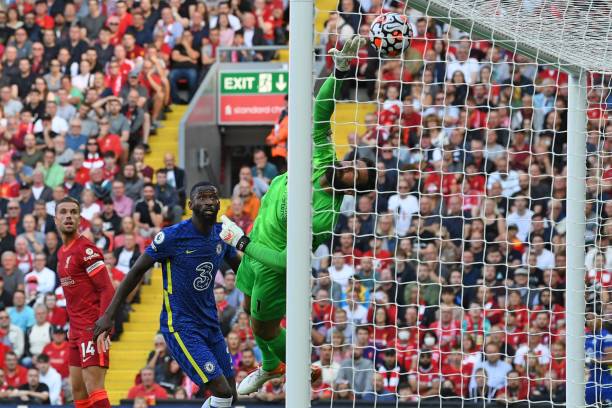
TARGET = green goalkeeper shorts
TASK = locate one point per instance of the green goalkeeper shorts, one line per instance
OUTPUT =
(266, 288)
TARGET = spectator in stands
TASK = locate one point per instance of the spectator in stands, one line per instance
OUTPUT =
(7, 240)
(341, 271)
(58, 351)
(250, 201)
(148, 212)
(132, 182)
(273, 390)
(262, 168)
(6, 300)
(159, 359)
(495, 368)
(44, 276)
(56, 315)
(175, 177)
(127, 254)
(148, 388)
(233, 296)
(21, 314)
(225, 311)
(13, 333)
(39, 335)
(167, 195)
(184, 66)
(50, 377)
(237, 214)
(15, 373)
(123, 205)
(358, 372)
(259, 185)
(13, 277)
(33, 390)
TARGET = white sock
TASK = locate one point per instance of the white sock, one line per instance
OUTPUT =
(216, 402)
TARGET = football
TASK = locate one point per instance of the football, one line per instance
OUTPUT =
(390, 34)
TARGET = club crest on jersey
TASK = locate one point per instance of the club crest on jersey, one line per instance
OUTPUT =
(209, 367)
(219, 249)
(203, 281)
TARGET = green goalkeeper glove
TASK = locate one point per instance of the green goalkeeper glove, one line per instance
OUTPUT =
(233, 235)
(342, 58)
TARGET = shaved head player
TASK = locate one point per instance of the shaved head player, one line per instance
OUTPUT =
(88, 291)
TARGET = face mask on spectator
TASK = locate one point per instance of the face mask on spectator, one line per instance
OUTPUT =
(429, 341)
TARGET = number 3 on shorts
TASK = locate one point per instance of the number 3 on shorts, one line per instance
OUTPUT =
(87, 348)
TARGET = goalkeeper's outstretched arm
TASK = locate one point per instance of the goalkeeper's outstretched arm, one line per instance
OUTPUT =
(325, 102)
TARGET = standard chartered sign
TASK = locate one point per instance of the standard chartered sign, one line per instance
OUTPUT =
(248, 97)
(254, 83)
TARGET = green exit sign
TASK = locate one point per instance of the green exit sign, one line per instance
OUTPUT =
(254, 82)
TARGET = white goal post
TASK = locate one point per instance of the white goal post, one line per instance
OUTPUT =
(569, 34)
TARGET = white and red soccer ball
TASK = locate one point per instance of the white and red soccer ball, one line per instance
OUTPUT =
(390, 34)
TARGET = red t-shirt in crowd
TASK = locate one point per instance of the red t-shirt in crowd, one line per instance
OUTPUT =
(19, 377)
(110, 143)
(151, 395)
(57, 316)
(58, 357)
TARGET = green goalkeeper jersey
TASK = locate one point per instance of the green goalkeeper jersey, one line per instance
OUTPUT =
(270, 228)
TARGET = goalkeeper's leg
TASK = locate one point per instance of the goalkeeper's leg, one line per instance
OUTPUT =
(267, 306)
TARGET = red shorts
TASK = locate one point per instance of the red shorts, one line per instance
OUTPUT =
(84, 353)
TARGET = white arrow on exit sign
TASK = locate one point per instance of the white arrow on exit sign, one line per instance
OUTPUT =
(281, 84)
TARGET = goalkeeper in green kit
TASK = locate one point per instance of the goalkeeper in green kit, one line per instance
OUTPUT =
(262, 272)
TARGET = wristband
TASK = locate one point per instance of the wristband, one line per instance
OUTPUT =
(342, 74)
(242, 243)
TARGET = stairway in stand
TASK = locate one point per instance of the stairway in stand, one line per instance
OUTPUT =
(129, 354)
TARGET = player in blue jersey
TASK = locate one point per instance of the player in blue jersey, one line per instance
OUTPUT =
(190, 253)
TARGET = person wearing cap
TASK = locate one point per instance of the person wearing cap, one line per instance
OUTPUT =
(26, 199)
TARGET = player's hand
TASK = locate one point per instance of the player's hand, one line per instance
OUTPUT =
(342, 58)
(102, 330)
(230, 232)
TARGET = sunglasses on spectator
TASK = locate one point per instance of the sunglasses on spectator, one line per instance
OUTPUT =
(13, 208)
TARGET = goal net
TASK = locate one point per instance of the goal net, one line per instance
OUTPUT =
(448, 282)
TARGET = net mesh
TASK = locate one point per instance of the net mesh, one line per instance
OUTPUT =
(575, 31)
(447, 283)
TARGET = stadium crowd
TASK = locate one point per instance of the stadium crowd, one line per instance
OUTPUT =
(83, 86)
(447, 280)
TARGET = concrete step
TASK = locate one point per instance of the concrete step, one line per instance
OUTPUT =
(140, 326)
(128, 353)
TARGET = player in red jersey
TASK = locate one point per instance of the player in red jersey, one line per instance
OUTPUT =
(88, 291)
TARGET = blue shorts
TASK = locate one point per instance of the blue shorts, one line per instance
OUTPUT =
(201, 354)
